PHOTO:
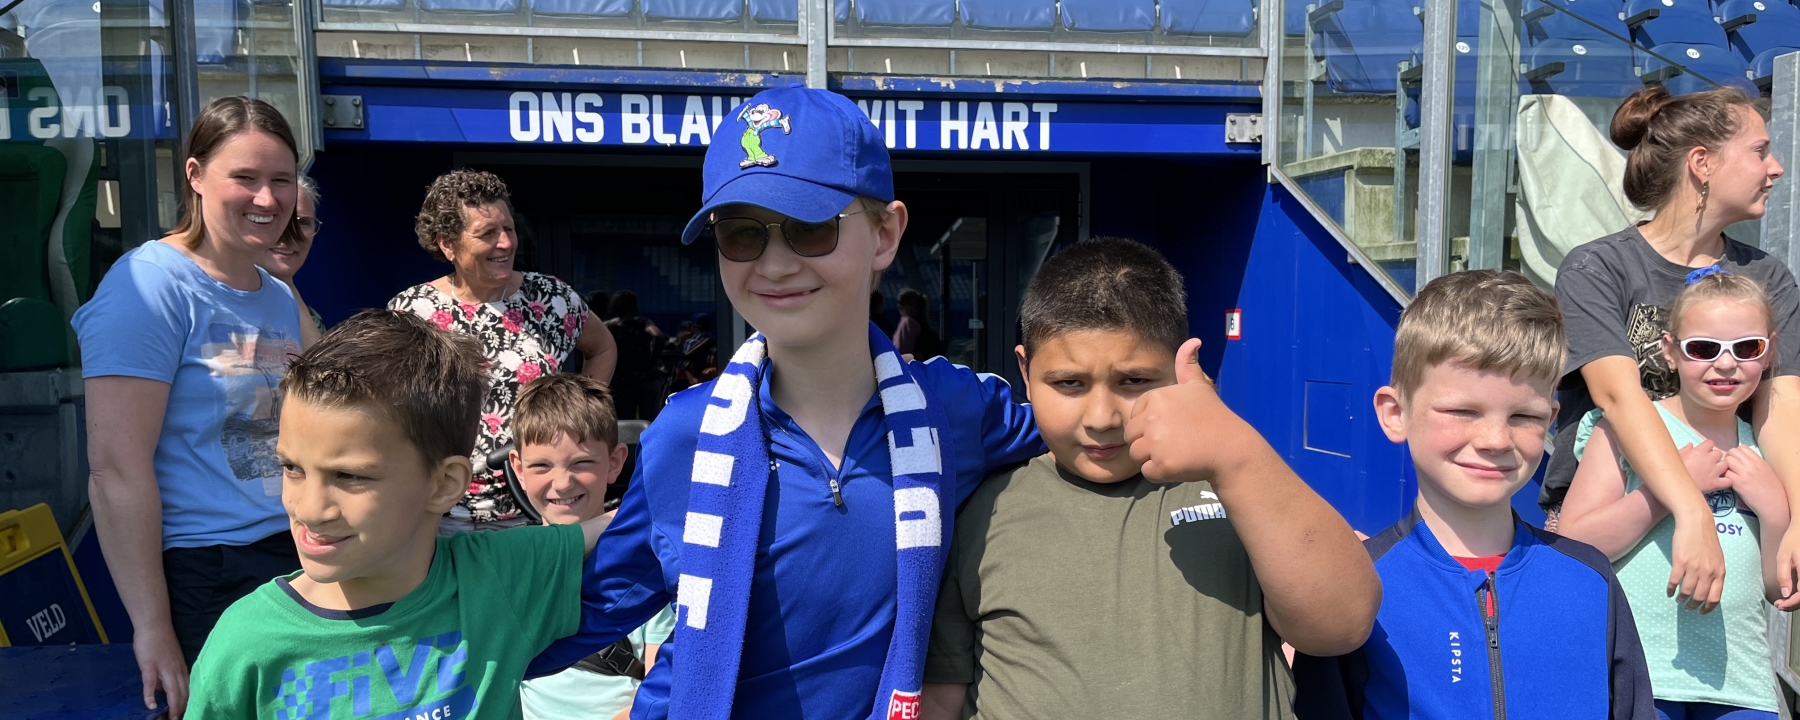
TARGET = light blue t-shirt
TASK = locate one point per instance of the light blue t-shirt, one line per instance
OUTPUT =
(581, 693)
(222, 351)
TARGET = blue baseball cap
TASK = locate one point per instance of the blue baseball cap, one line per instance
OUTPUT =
(802, 152)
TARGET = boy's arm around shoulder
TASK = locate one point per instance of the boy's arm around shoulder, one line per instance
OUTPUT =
(1007, 434)
(1320, 590)
(622, 581)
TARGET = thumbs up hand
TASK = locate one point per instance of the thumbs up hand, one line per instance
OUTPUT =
(1184, 432)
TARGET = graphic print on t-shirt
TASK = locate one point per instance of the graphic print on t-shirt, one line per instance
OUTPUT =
(1645, 332)
(423, 680)
(249, 362)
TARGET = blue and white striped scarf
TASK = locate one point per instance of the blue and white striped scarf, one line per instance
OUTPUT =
(724, 520)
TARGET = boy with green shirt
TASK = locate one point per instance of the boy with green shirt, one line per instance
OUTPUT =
(386, 619)
(1081, 585)
(568, 454)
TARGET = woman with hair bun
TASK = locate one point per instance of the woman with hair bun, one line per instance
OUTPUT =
(1701, 162)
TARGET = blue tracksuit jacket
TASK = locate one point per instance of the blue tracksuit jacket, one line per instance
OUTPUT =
(822, 595)
(1562, 647)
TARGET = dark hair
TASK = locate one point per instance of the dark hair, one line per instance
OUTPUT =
(577, 406)
(222, 120)
(624, 305)
(1105, 284)
(1659, 130)
(596, 302)
(914, 300)
(428, 381)
(442, 213)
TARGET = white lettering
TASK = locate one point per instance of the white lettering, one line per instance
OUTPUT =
(48, 621)
(524, 122)
(985, 127)
(911, 108)
(559, 118)
(656, 112)
(713, 468)
(110, 96)
(695, 593)
(5, 118)
(957, 124)
(41, 120)
(702, 529)
(693, 122)
(634, 119)
(927, 531)
(78, 117)
(889, 127)
(718, 113)
(921, 457)
(597, 123)
(1014, 118)
(734, 389)
(1043, 111)
(874, 114)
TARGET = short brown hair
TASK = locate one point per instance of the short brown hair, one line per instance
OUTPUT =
(1487, 320)
(577, 406)
(222, 120)
(1105, 284)
(442, 213)
(428, 381)
(1659, 130)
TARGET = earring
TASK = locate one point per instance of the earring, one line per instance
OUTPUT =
(1705, 187)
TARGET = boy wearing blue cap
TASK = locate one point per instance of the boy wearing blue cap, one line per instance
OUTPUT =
(796, 509)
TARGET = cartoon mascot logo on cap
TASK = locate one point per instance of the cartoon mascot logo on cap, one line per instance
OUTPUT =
(760, 117)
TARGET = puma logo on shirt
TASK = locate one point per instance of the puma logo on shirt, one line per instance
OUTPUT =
(1195, 513)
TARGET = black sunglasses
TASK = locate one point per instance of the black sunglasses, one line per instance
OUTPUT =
(1701, 349)
(743, 239)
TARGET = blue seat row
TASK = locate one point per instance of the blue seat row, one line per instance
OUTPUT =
(1181, 17)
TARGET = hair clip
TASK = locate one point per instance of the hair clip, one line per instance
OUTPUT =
(1703, 273)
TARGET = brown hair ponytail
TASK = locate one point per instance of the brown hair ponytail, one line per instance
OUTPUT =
(1659, 130)
(222, 120)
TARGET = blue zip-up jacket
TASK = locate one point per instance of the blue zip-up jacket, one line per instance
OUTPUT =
(822, 593)
(1561, 647)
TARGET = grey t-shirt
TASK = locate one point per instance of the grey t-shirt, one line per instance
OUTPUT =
(1064, 598)
(1615, 294)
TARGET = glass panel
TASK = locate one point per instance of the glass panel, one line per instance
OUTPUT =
(250, 48)
(1532, 172)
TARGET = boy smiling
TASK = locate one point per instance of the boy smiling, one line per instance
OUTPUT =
(1078, 587)
(386, 619)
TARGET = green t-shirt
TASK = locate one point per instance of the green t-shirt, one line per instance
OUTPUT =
(581, 693)
(1066, 598)
(455, 647)
(1721, 657)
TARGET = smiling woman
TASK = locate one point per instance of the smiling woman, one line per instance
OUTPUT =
(528, 323)
(182, 348)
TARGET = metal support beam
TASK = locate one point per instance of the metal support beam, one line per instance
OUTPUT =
(186, 77)
(306, 77)
(1273, 51)
(817, 31)
(1496, 111)
(1434, 138)
(1781, 220)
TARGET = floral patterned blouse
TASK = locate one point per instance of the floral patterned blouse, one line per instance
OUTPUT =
(524, 336)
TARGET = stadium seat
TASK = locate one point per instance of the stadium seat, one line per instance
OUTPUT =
(366, 4)
(482, 6)
(1761, 30)
(583, 8)
(1581, 68)
(1661, 22)
(1709, 62)
(787, 11)
(1363, 43)
(1037, 15)
(694, 10)
(1209, 17)
(915, 13)
(1562, 20)
(1109, 15)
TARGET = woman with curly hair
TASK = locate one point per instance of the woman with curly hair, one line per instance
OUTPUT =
(528, 323)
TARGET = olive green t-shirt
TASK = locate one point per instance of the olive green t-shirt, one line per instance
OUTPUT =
(1064, 598)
